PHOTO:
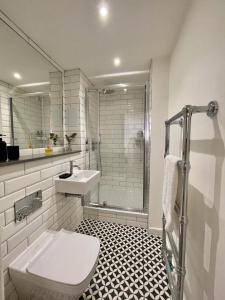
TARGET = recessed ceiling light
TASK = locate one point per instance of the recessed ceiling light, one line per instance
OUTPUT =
(17, 75)
(125, 90)
(117, 61)
(103, 10)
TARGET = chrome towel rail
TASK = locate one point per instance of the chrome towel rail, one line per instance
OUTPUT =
(183, 118)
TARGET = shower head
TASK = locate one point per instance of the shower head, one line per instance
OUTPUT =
(107, 91)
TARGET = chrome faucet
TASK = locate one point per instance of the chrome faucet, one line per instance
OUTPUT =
(73, 166)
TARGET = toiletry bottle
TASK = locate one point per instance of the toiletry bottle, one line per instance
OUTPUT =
(3, 150)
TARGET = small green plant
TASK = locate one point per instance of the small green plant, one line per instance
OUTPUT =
(69, 139)
(54, 137)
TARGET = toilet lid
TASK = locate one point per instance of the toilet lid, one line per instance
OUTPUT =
(69, 259)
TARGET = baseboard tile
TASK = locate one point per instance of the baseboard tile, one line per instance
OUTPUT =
(155, 231)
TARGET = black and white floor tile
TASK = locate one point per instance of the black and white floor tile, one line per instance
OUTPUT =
(130, 265)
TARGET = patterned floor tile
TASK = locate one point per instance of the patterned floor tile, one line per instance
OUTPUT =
(129, 266)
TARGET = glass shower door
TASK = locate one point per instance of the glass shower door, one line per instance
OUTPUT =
(92, 122)
(116, 147)
(122, 148)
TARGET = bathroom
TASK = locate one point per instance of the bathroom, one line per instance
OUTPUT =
(96, 97)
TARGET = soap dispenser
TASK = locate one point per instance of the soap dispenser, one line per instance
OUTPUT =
(3, 149)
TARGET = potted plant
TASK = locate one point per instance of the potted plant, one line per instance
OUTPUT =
(69, 139)
(54, 137)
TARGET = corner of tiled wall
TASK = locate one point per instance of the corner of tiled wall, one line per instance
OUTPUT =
(56, 107)
(75, 83)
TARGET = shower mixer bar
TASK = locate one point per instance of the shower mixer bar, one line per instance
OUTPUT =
(182, 118)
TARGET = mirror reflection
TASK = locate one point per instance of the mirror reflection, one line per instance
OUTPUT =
(31, 107)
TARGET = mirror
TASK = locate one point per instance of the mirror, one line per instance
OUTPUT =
(31, 102)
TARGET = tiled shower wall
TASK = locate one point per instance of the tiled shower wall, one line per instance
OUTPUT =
(57, 212)
(30, 115)
(27, 118)
(122, 143)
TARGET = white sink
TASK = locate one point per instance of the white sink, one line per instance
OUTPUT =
(81, 182)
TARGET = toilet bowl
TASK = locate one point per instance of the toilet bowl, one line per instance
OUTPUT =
(58, 265)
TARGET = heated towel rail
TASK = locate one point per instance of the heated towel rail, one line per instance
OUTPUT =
(173, 253)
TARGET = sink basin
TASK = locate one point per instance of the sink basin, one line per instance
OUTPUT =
(81, 182)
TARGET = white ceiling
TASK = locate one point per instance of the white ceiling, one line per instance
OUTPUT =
(72, 32)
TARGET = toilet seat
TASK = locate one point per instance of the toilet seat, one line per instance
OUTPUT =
(66, 260)
(61, 261)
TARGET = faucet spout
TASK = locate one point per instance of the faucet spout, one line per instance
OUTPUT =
(72, 166)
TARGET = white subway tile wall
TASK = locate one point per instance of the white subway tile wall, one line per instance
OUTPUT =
(30, 116)
(57, 211)
(55, 111)
(75, 83)
(122, 147)
(26, 117)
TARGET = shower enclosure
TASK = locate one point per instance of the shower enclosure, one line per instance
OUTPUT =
(116, 137)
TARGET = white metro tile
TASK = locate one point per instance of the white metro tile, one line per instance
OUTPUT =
(12, 255)
(21, 182)
(2, 219)
(9, 215)
(11, 172)
(3, 249)
(2, 189)
(51, 171)
(40, 230)
(42, 185)
(48, 193)
(23, 233)
(8, 201)
(12, 228)
(37, 165)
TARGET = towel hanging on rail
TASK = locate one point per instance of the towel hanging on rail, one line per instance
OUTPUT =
(170, 186)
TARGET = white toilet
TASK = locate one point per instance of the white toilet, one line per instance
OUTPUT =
(58, 265)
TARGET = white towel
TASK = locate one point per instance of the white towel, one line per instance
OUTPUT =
(170, 186)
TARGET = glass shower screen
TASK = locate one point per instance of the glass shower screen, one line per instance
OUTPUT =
(115, 130)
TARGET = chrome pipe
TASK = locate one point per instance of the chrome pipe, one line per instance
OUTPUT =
(184, 196)
(167, 140)
(185, 115)
(211, 110)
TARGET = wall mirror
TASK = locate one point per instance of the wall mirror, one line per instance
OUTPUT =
(31, 102)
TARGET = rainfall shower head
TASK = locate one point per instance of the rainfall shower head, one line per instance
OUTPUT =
(107, 91)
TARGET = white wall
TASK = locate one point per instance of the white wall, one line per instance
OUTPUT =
(197, 76)
(159, 111)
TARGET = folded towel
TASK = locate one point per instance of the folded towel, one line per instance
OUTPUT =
(170, 186)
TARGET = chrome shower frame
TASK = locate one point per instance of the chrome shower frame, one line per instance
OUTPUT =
(146, 160)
